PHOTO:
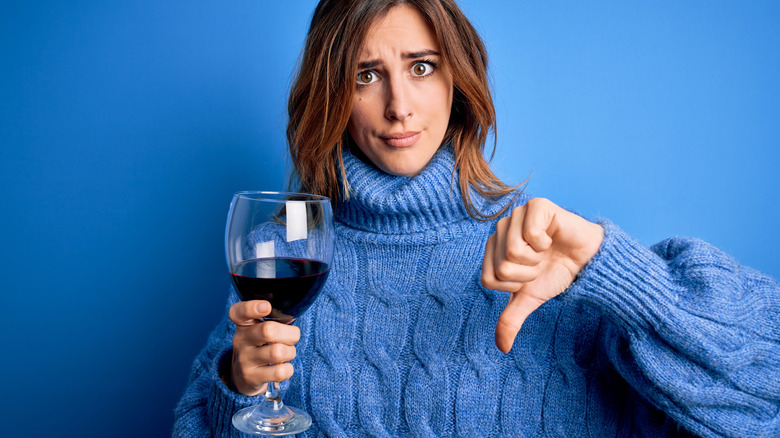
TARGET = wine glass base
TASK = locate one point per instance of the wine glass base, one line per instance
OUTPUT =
(246, 420)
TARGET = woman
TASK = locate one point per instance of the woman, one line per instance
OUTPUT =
(598, 335)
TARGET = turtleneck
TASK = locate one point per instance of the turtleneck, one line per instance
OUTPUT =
(387, 204)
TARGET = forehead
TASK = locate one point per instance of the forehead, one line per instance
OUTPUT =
(403, 28)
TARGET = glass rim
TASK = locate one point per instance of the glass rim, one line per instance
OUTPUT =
(275, 196)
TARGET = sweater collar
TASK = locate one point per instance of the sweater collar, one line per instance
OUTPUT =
(387, 204)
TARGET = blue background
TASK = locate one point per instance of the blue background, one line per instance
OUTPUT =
(126, 126)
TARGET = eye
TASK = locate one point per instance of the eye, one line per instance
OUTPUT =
(366, 77)
(422, 68)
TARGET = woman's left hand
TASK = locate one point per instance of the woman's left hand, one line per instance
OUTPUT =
(535, 254)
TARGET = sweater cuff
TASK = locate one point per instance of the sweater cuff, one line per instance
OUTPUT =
(223, 402)
(626, 281)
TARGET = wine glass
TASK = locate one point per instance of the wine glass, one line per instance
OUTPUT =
(279, 248)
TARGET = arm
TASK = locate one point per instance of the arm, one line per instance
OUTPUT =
(698, 334)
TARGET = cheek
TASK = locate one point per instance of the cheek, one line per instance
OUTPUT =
(359, 127)
(437, 98)
(440, 104)
(357, 121)
(362, 116)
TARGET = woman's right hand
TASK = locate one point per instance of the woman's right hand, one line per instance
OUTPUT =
(257, 344)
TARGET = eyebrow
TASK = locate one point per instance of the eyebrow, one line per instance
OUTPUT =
(407, 55)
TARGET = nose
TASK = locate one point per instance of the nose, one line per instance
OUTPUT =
(399, 102)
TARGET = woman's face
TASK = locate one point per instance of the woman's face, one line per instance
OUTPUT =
(403, 98)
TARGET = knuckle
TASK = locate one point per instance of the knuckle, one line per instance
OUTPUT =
(277, 352)
(485, 280)
(536, 205)
(514, 253)
(504, 271)
(532, 233)
(268, 330)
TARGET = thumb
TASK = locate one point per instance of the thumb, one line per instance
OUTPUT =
(512, 318)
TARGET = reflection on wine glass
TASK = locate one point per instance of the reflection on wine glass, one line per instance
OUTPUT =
(279, 248)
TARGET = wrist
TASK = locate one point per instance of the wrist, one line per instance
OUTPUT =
(597, 240)
(590, 246)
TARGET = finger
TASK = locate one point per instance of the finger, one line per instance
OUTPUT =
(272, 332)
(516, 249)
(262, 334)
(246, 313)
(499, 248)
(511, 272)
(489, 279)
(512, 318)
(270, 373)
(252, 380)
(268, 354)
(539, 215)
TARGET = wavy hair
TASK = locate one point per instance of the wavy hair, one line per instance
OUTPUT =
(320, 100)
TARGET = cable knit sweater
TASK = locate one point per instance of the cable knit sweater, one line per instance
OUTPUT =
(665, 341)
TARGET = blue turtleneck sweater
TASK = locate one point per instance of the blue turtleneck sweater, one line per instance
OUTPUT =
(662, 341)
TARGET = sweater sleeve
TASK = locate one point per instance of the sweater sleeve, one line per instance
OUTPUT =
(207, 406)
(697, 334)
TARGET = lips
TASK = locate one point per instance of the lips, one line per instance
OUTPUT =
(400, 140)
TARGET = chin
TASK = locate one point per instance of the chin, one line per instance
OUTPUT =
(402, 169)
(409, 165)
(401, 172)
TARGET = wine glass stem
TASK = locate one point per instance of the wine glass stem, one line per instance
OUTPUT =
(273, 395)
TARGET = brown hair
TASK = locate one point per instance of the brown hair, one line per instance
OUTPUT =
(320, 100)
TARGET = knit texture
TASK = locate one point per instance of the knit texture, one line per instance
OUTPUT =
(664, 341)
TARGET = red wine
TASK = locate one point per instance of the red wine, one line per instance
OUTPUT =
(290, 284)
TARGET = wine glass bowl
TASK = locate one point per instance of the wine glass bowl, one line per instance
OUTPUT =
(279, 248)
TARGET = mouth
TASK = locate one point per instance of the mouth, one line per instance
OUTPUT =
(401, 139)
